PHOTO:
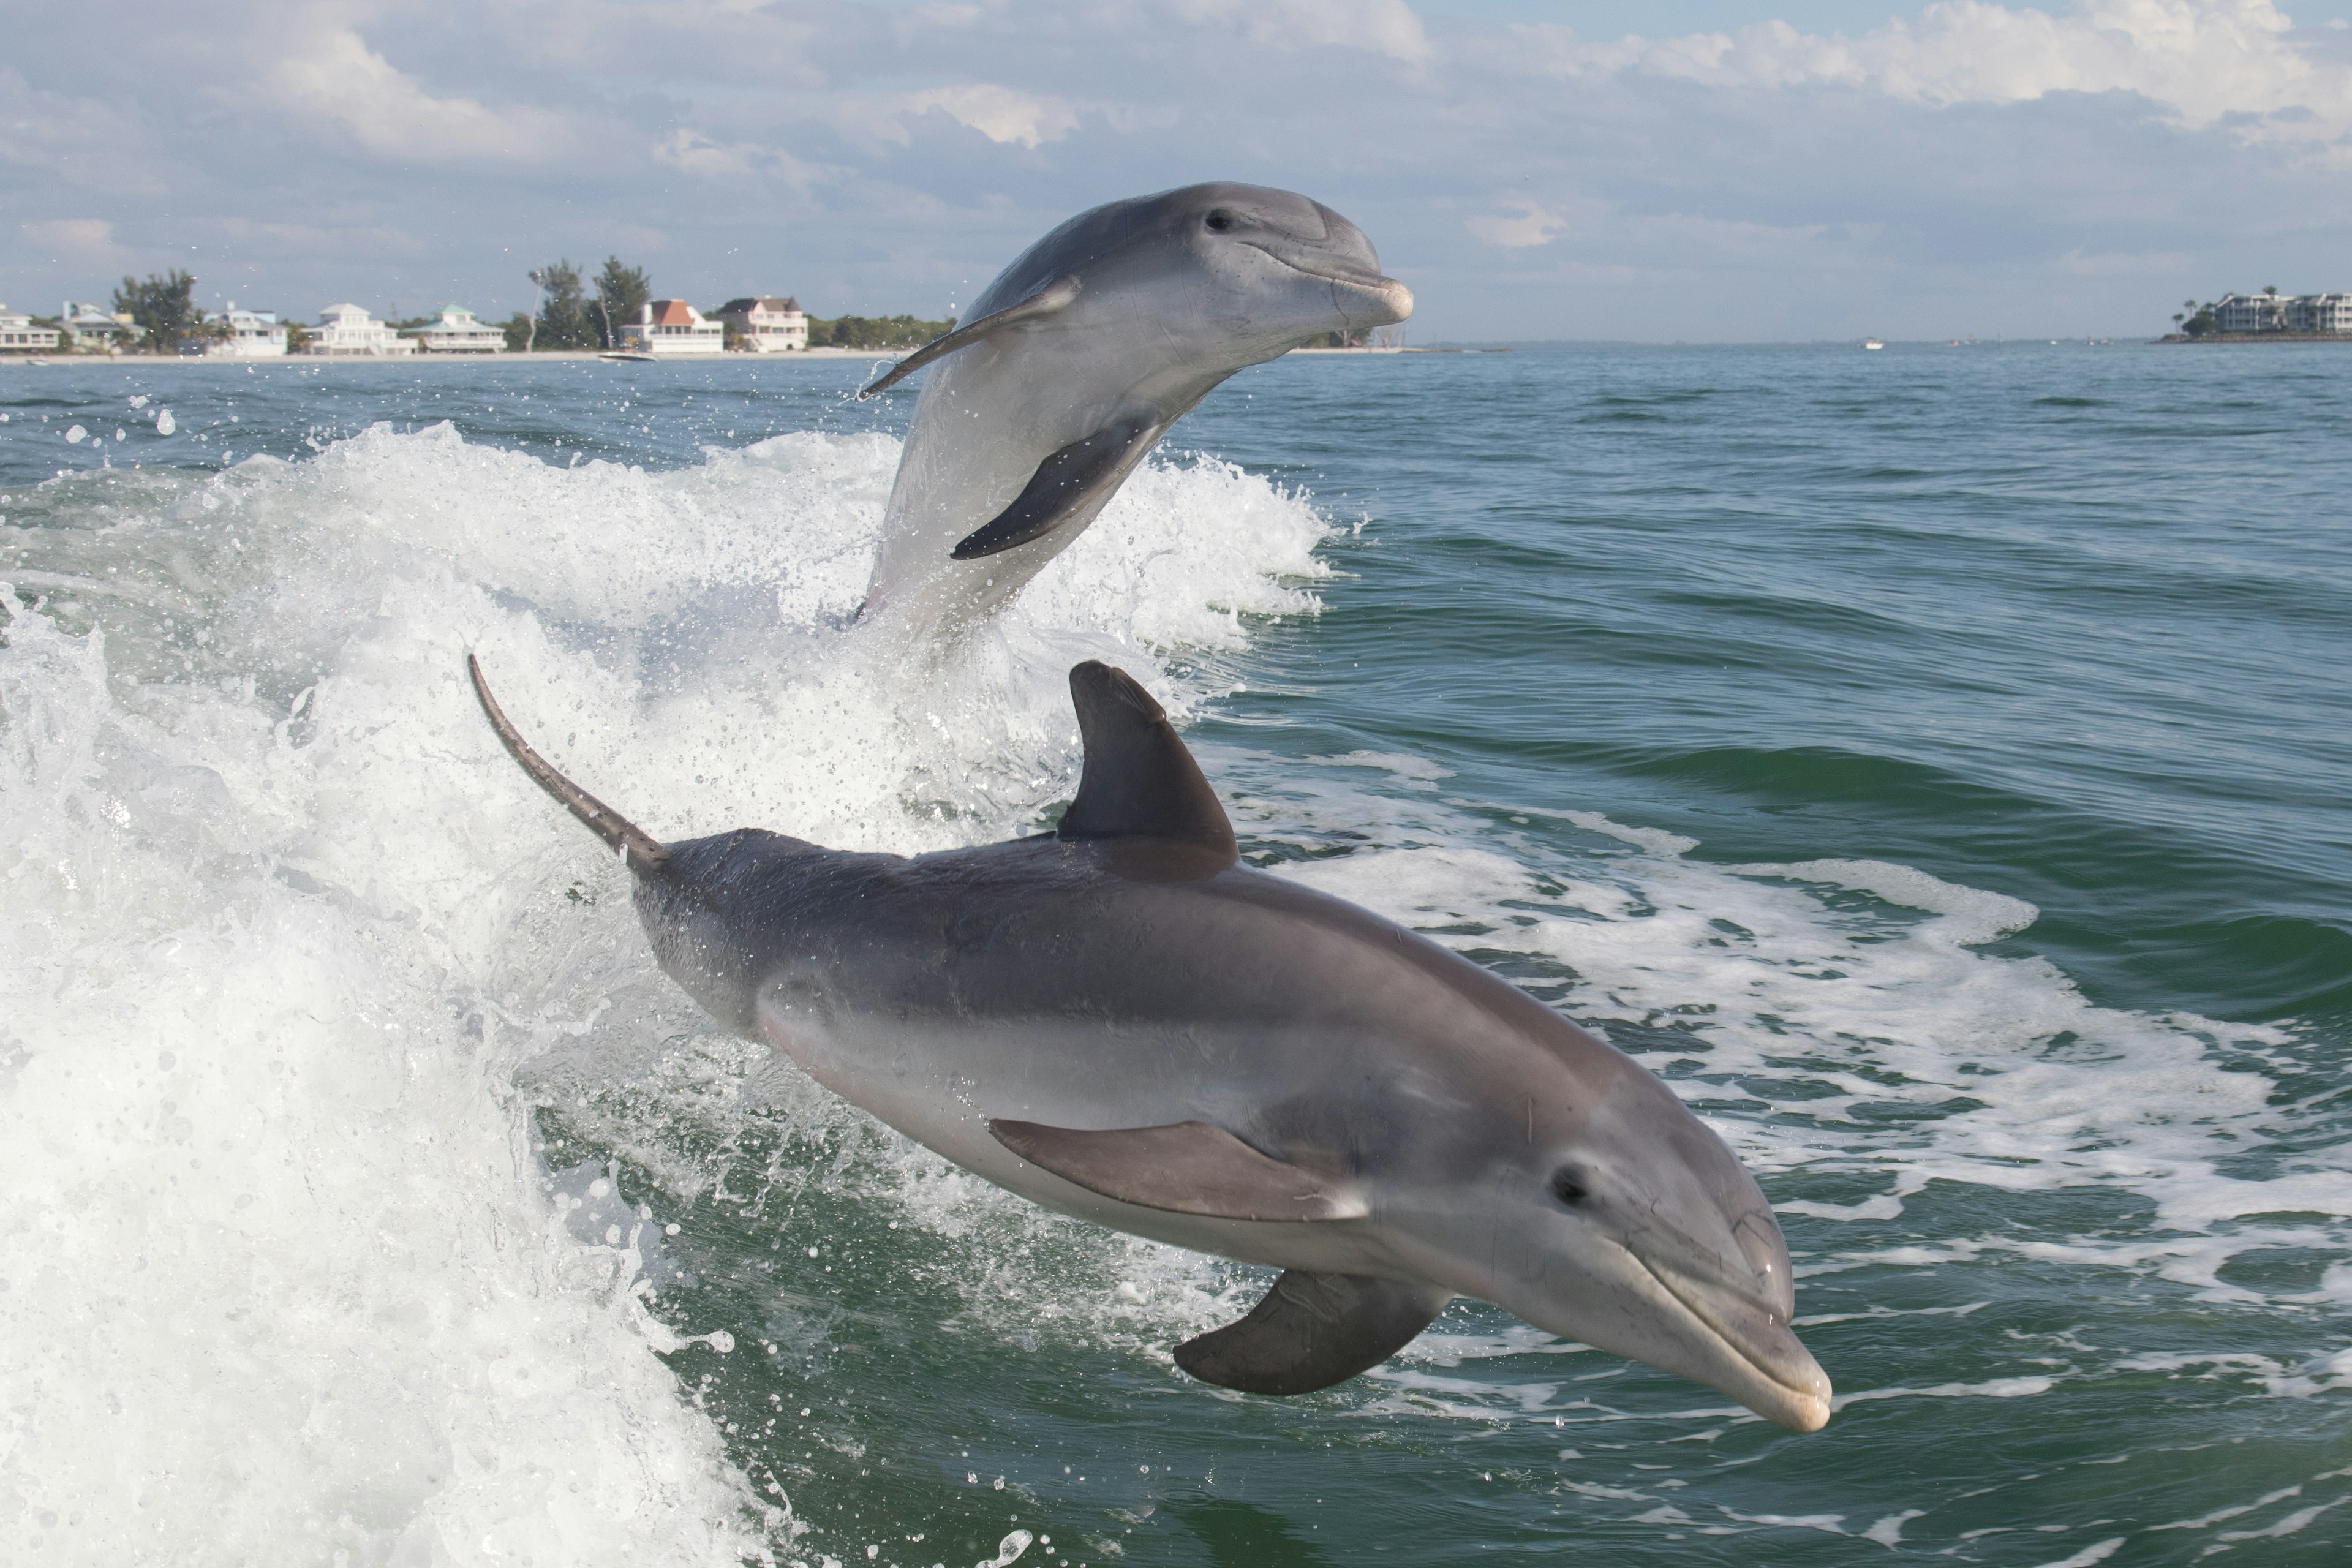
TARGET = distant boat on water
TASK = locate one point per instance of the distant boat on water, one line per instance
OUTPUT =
(1871, 343)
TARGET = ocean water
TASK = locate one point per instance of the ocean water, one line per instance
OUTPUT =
(1936, 763)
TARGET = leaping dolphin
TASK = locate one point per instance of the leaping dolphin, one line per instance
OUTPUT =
(1122, 1022)
(1078, 357)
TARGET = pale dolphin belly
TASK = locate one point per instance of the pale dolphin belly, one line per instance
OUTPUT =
(1087, 1005)
(941, 1089)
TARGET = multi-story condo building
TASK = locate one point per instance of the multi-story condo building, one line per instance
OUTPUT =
(250, 334)
(766, 326)
(2320, 313)
(346, 331)
(460, 332)
(2283, 313)
(673, 327)
(2251, 313)
(19, 336)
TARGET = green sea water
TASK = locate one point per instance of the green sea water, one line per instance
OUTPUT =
(1934, 762)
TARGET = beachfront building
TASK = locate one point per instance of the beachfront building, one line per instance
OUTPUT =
(346, 331)
(459, 331)
(19, 336)
(2320, 313)
(2251, 313)
(244, 335)
(673, 327)
(766, 326)
(91, 328)
(2268, 312)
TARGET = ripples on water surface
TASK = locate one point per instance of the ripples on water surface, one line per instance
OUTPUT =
(1934, 762)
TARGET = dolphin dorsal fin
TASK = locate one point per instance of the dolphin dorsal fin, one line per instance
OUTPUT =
(1139, 781)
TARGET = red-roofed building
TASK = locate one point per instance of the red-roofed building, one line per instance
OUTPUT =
(673, 327)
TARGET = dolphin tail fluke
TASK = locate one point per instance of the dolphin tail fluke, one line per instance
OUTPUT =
(644, 853)
(1313, 1330)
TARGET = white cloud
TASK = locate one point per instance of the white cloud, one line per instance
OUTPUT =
(2081, 263)
(1379, 26)
(1533, 226)
(81, 239)
(1977, 164)
(340, 79)
(698, 154)
(2203, 60)
(998, 113)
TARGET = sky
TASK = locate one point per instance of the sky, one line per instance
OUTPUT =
(1676, 169)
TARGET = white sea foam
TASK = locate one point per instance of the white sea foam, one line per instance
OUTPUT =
(281, 924)
(1777, 975)
(285, 929)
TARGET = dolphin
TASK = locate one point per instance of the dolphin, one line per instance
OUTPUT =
(1077, 360)
(1121, 1021)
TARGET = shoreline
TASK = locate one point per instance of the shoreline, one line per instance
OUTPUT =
(550, 356)
(502, 357)
(2257, 338)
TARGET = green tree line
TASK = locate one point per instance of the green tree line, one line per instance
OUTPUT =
(876, 331)
(575, 311)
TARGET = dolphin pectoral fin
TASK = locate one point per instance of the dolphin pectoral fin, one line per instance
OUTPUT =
(1070, 479)
(1052, 296)
(1139, 781)
(1186, 1167)
(1313, 1330)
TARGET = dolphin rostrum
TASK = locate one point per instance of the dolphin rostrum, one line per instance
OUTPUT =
(1120, 1021)
(1078, 357)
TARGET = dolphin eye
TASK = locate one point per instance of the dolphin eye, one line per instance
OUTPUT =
(1569, 1186)
(1219, 220)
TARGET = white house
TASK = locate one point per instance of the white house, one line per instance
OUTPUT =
(673, 327)
(2320, 313)
(2251, 313)
(766, 326)
(93, 326)
(459, 332)
(2283, 313)
(252, 334)
(346, 330)
(19, 336)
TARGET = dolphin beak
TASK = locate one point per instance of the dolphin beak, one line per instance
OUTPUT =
(1746, 1350)
(1381, 299)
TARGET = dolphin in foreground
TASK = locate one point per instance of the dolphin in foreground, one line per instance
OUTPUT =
(1077, 360)
(1122, 1022)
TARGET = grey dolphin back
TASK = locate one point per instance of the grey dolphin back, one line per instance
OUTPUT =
(1139, 781)
(644, 853)
(1313, 1330)
(1052, 296)
(1084, 473)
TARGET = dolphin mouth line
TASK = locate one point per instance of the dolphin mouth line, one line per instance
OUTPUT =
(1331, 272)
(1804, 1395)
